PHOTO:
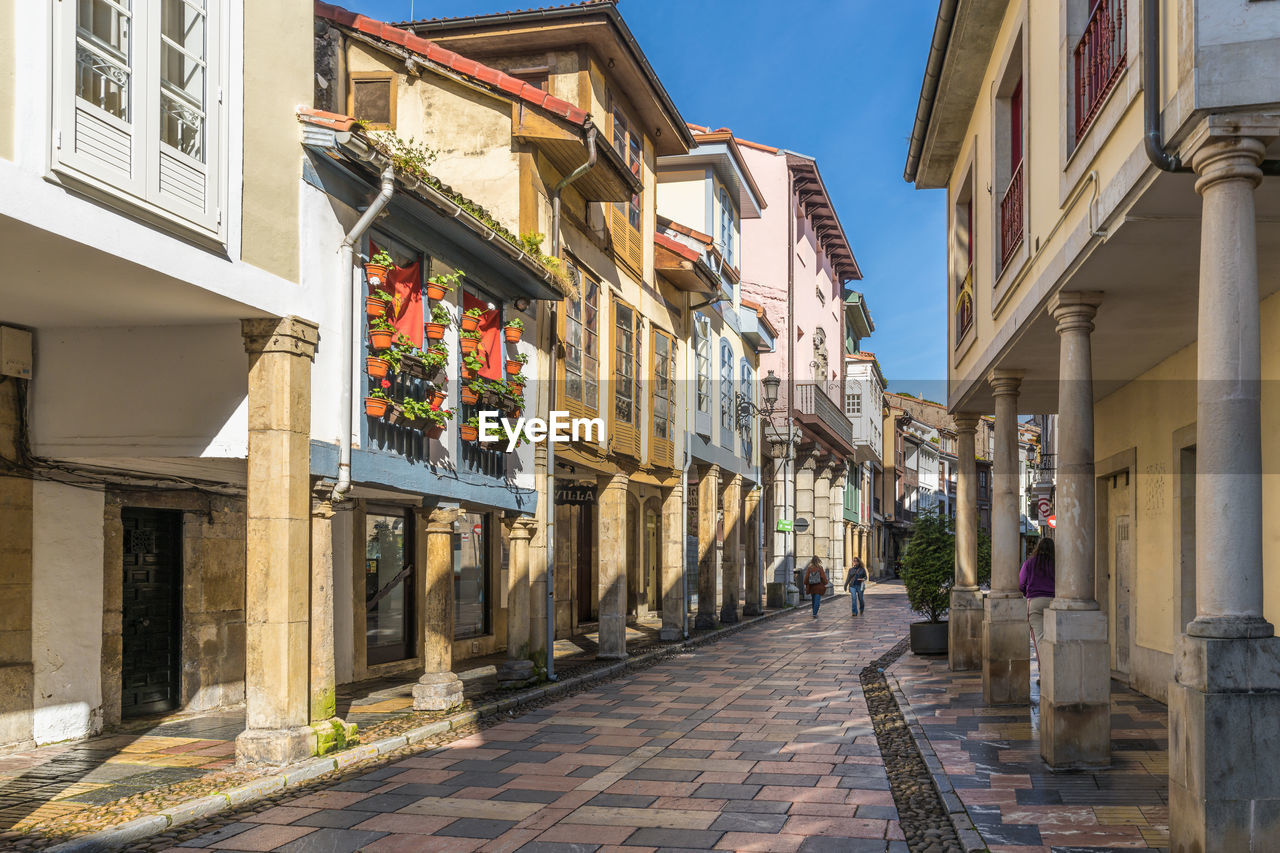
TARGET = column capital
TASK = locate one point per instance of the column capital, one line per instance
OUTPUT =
(290, 335)
(1005, 382)
(610, 482)
(966, 421)
(440, 519)
(1230, 147)
(522, 527)
(1074, 311)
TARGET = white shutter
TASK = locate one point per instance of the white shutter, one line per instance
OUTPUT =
(183, 92)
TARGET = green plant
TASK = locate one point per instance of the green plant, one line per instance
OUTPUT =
(474, 312)
(520, 358)
(531, 242)
(415, 409)
(435, 357)
(382, 324)
(446, 281)
(984, 557)
(379, 293)
(473, 334)
(440, 314)
(439, 417)
(472, 362)
(515, 323)
(383, 259)
(472, 421)
(928, 567)
(380, 393)
(408, 155)
(518, 379)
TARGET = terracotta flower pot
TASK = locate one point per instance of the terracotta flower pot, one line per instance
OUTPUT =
(375, 273)
(395, 414)
(469, 433)
(469, 344)
(437, 399)
(467, 374)
(381, 338)
(469, 397)
(434, 431)
(513, 367)
(514, 414)
(435, 331)
(376, 367)
(375, 307)
(376, 408)
(513, 335)
(470, 324)
(516, 387)
(435, 291)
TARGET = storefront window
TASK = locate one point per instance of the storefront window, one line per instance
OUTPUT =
(388, 588)
(471, 576)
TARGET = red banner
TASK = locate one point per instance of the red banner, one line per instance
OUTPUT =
(405, 286)
(490, 349)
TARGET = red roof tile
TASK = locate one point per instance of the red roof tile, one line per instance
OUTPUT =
(676, 246)
(334, 121)
(686, 230)
(455, 62)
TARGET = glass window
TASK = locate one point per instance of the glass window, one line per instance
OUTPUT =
(726, 393)
(702, 354)
(471, 576)
(182, 76)
(852, 404)
(103, 57)
(626, 141)
(581, 360)
(624, 365)
(747, 391)
(726, 226)
(388, 588)
(663, 371)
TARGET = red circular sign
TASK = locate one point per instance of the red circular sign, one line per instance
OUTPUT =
(1052, 521)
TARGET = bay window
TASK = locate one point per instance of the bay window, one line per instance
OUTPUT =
(581, 334)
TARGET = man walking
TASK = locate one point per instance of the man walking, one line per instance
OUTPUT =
(815, 583)
(857, 578)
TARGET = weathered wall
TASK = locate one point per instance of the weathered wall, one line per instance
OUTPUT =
(16, 509)
(66, 636)
(8, 77)
(682, 197)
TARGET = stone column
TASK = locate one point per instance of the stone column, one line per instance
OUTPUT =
(805, 472)
(821, 519)
(965, 642)
(731, 560)
(1075, 657)
(438, 689)
(708, 565)
(783, 557)
(518, 667)
(672, 567)
(754, 567)
(278, 535)
(1224, 704)
(835, 541)
(612, 535)
(1006, 641)
(331, 731)
(538, 558)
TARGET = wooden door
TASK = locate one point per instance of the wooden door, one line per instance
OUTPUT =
(152, 611)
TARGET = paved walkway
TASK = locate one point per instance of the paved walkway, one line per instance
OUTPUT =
(992, 759)
(760, 742)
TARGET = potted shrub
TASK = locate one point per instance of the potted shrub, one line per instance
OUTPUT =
(377, 267)
(514, 330)
(440, 320)
(436, 421)
(377, 303)
(434, 360)
(470, 429)
(469, 341)
(376, 366)
(471, 365)
(514, 365)
(471, 319)
(928, 570)
(439, 285)
(436, 398)
(381, 334)
(470, 395)
(377, 403)
(515, 384)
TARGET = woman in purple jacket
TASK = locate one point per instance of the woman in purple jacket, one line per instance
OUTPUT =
(1035, 579)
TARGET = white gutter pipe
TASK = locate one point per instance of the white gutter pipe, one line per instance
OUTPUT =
(346, 259)
(549, 535)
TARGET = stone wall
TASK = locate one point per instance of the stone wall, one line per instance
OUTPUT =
(15, 582)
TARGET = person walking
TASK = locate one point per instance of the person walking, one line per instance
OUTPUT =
(1037, 583)
(856, 578)
(815, 583)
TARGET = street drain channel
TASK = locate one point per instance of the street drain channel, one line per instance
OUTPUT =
(922, 813)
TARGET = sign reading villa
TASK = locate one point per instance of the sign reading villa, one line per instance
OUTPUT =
(560, 428)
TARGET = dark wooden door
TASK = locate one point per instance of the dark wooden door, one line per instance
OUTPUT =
(152, 613)
(585, 558)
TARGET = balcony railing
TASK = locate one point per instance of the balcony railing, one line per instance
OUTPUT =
(1044, 467)
(1099, 59)
(812, 399)
(1011, 217)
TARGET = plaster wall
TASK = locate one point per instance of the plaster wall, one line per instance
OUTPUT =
(8, 71)
(1237, 42)
(146, 391)
(66, 637)
(682, 197)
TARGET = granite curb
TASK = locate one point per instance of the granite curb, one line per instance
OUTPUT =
(306, 772)
(956, 812)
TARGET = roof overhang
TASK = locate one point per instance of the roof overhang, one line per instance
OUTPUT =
(720, 152)
(857, 315)
(568, 148)
(684, 267)
(755, 328)
(597, 25)
(817, 205)
(964, 35)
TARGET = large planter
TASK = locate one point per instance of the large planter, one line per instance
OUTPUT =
(513, 367)
(929, 638)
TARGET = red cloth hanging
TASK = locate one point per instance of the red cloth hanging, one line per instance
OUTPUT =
(405, 286)
(490, 349)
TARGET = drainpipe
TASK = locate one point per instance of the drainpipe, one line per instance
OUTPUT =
(346, 259)
(549, 535)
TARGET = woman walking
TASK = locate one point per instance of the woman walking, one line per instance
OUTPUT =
(1036, 581)
(815, 583)
(856, 578)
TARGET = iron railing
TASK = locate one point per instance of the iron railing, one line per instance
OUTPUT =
(1011, 217)
(1099, 59)
(1044, 467)
(812, 399)
(964, 305)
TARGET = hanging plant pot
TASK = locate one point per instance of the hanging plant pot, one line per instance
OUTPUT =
(514, 414)
(375, 307)
(381, 339)
(376, 367)
(470, 323)
(513, 366)
(469, 433)
(469, 344)
(516, 387)
(394, 414)
(467, 374)
(376, 408)
(376, 274)
(434, 431)
(512, 334)
(435, 291)
(435, 331)
(437, 398)
(469, 396)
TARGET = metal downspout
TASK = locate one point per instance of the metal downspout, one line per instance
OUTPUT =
(346, 257)
(549, 534)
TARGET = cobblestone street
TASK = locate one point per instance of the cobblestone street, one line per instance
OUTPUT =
(758, 742)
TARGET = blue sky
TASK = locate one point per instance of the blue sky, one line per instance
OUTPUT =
(835, 79)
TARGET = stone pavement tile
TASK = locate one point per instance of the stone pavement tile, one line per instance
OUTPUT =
(457, 807)
(385, 802)
(331, 841)
(561, 847)
(792, 794)
(636, 801)
(578, 834)
(221, 833)
(671, 818)
(877, 812)
(543, 783)
(545, 818)
(517, 795)
(476, 793)
(782, 779)
(757, 806)
(721, 776)
(476, 827)
(757, 842)
(690, 803)
(646, 774)
(422, 844)
(688, 839)
(844, 845)
(418, 789)
(281, 814)
(336, 818)
(510, 841)
(740, 822)
(844, 827)
(417, 774)
(329, 800)
(655, 789)
(265, 837)
(727, 791)
(404, 824)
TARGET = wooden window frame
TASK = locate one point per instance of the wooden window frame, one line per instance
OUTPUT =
(728, 386)
(625, 435)
(365, 76)
(628, 239)
(662, 450)
(577, 407)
